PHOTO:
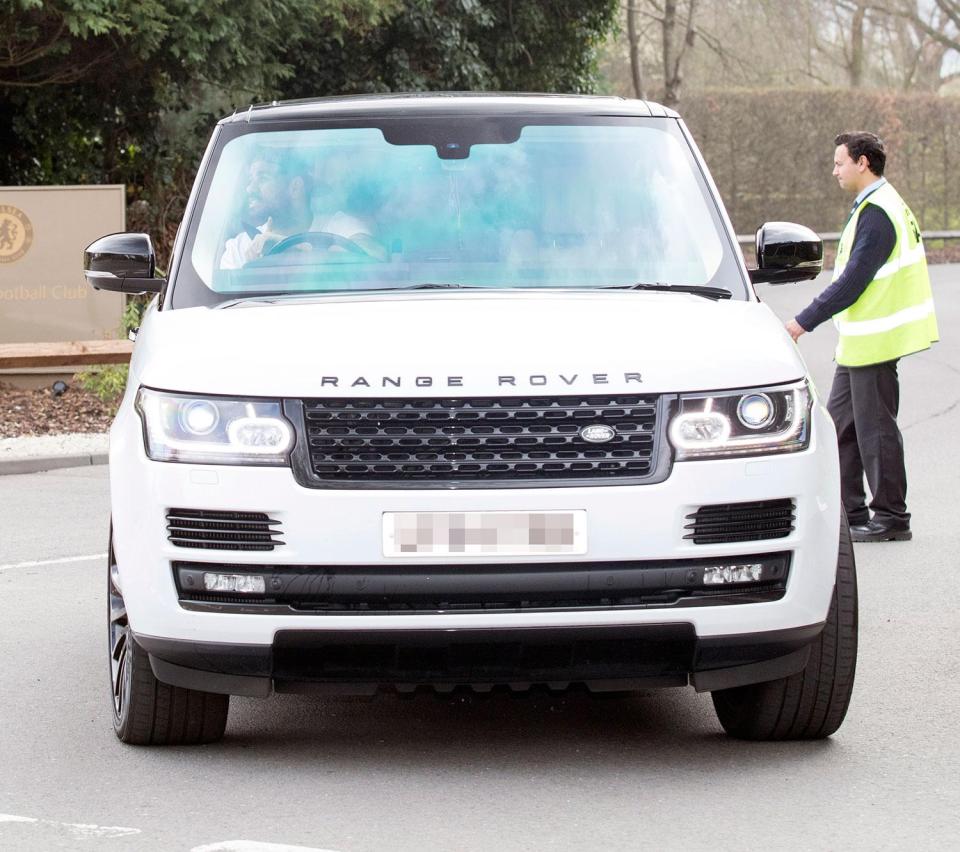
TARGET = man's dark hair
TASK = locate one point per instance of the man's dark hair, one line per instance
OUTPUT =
(289, 165)
(861, 143)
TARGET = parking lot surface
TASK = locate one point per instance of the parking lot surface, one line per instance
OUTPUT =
(541, 771)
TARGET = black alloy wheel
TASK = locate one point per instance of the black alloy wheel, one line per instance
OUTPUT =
(812, 703)
(118, 632)
(146, 711)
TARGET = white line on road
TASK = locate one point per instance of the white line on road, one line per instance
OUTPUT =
(62, 561)
(254, 846)
(80, 830)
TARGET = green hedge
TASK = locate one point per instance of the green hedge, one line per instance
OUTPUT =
(771, 151)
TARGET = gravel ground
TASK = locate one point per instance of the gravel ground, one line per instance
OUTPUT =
(36, 424)
(40, 412)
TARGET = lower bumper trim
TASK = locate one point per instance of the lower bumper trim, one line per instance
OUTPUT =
(602, 657)
(207, 681)
(328, 590)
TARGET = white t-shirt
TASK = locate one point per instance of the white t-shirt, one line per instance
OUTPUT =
(235, 250)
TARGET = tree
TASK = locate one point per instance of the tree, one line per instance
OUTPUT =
(920, 37)
(902, 44)
(465, 45)
(660, 37)
(858, 20)
(123, 91)
(943, 25)
(675, 47)
(85, 84)
(633, 41)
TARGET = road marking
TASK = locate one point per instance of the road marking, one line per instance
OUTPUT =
(62, 561)
(254, 846)
(85, 831)
(80, 830)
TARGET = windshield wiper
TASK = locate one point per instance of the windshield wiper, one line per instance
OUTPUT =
(706, 292)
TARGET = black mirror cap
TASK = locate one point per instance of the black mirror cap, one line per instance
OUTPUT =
(787, 252)
(122, 262)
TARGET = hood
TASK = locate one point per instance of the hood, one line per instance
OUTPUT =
(467, 344)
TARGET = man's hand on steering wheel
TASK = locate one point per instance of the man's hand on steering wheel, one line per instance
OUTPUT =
(264, 242)
(316, 240)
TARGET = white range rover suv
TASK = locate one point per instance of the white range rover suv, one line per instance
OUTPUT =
(467, 392)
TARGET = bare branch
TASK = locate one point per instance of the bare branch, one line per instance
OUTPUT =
(60, 77)
(935, 30)
(18, 60)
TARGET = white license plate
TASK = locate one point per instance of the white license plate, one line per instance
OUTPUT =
(484, 533)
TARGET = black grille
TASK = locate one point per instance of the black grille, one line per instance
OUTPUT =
(222, 530)
(729, 522)
(478, 440)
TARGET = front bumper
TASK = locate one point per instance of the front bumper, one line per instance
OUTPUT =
(604, 658)
(343, 528)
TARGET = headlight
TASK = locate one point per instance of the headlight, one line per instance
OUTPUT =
(756, 421)
(213, 430)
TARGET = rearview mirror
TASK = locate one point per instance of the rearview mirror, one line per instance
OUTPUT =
(122, 262)
(786, 252)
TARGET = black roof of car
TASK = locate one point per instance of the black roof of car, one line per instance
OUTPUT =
(447, 103)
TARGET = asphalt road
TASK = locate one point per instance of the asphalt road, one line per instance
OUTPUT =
(539, 772)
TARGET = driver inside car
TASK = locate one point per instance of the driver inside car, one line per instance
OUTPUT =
(277, 207)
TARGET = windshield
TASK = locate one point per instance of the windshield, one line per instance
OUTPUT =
(555, 205)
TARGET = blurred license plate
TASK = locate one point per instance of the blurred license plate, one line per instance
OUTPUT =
(484, 533)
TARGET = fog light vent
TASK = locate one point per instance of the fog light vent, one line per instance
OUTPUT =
(216, 530)
(731, 522)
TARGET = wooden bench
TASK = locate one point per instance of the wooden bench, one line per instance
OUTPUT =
(76, 353)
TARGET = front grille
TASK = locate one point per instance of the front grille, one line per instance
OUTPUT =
(477, 441)
(730, 522)
(222, 530)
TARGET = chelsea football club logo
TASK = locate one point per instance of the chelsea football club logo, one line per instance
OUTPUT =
(16, 233)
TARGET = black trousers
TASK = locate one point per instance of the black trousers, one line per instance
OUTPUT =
(863, 404)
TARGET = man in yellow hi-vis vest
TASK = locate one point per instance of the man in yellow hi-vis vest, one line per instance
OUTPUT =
(881, 302)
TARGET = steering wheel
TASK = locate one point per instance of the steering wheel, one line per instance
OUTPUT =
(317, 239)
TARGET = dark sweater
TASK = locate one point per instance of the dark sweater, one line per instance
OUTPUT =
(872, 244)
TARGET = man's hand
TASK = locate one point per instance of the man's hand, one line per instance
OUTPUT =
(263, 241)
(795, 329)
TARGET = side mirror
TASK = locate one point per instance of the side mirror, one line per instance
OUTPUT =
(787, 252)
(122, 262)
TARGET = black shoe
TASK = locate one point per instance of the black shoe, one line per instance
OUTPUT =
(881, 531)
(858, 519)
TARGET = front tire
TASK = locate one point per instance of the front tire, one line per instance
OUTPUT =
(811, 704)
(146, 711)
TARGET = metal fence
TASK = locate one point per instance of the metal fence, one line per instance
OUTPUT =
(833, 236)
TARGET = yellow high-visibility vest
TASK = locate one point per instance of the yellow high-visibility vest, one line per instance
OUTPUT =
(894, 316)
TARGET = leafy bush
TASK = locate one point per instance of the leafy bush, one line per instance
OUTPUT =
(108, 383)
